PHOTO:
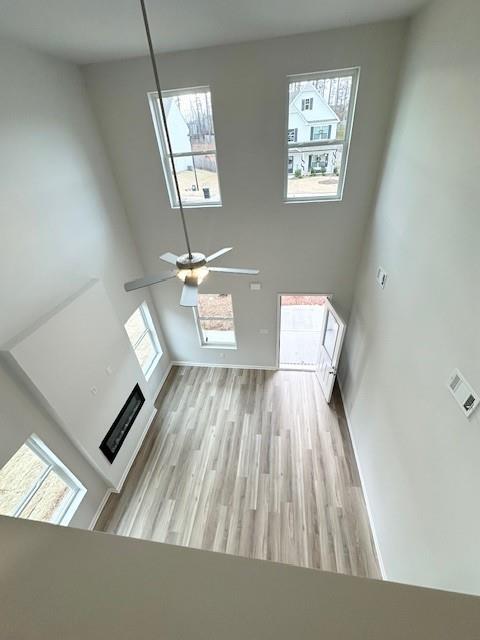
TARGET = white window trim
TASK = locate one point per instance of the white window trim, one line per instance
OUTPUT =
(64, 515)
(151, 331)
(164, 155)
(214, 345)
(345, 144)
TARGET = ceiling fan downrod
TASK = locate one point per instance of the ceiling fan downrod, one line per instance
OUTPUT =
(164, 119)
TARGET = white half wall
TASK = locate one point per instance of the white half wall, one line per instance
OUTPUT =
(62, 223)
(303, 248)
(107, 586)
(419, 455)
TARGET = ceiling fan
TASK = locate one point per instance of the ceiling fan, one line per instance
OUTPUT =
(191, 267)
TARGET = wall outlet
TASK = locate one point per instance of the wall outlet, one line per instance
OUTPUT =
(255, 286)
(466, 397)
(264, 332)
(381, 277)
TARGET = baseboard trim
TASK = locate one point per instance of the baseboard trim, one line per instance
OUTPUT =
(101, 507)
(180, 363)
(162, 381)
(145, 431)
(362, 482)
(109, 492)
(118, 488)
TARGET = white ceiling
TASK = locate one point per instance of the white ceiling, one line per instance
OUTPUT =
(93, 30)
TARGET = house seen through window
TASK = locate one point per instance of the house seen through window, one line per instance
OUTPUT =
(144, 339)
(190, 126)
(34, 484)
(214, 316)
(320, 111)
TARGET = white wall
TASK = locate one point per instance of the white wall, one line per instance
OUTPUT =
(62, 223)
(78, 585)
(82, 346)
(298, 247)
(418, 454)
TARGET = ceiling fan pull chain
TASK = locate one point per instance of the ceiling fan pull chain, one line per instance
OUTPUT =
(164, 119)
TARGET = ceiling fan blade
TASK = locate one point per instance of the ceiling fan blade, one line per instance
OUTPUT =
(217, 254)
(149, 280)
(169, 257)
(247, 272)
(189, 293)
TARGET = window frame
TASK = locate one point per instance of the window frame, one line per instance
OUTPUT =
(201, 332)
(307, 104)
(160, 135)
(345, 144)
(64, 515)
(152, 333)
(328, 127)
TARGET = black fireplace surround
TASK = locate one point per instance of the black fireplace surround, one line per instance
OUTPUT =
(117, 433)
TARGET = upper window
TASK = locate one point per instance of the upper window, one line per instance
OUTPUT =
(307, 104)
(320, 109)
(35, 485)
(144, 339)
(215, 323)
(190, 126)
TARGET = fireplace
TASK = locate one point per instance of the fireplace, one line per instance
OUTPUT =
(117, 433)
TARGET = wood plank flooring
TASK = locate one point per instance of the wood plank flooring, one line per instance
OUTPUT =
(251, 463)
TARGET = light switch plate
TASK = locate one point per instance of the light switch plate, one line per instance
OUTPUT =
(255, 286)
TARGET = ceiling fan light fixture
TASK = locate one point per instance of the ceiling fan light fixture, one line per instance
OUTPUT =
(198, 274)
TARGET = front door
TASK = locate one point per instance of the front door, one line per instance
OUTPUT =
(332, 334)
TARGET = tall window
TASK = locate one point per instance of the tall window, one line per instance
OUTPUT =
(214, 316)
(144, 339)
(35, 485)
(190, 126)
(320, 108)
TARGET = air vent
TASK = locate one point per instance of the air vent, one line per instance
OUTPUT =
(466, 397)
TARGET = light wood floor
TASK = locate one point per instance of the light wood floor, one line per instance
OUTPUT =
(252, 463)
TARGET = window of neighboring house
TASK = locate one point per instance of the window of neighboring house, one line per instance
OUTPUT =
(319, 154)
(292, 135)
(144, 339)
(190, 126)
(321, 133)
(214, 316)
(34, 484)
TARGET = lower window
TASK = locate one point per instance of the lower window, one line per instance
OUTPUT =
(214, 316)
(35, 485)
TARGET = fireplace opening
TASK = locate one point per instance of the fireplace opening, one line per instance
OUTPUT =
(117, 433)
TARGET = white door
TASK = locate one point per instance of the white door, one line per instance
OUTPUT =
(333, 332)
